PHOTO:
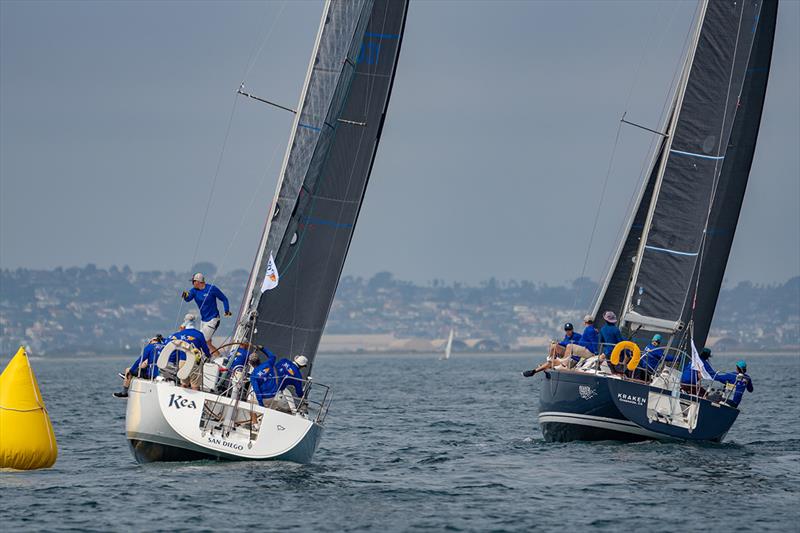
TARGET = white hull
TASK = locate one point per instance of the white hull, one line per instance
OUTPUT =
(164, 422)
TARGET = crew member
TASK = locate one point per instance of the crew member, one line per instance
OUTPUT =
(188, 332)
(691, 378)
(557, 350)
(651, 358)
(264, 381)
(206, 296)
(290, 374)
(584, 348)
(144, 366)
(741, 381)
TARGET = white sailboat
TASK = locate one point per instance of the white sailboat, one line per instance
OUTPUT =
(328, 161)
(449, 346)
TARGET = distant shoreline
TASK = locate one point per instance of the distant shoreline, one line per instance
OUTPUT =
(378, 354)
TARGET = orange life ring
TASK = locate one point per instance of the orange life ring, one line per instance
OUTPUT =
(626, 345)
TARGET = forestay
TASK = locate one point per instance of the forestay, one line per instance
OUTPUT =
(324, 175)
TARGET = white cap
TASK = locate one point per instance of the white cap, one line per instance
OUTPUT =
(301, 360)
(588, 318)
(188, 322)
(199, 277)
(189, 317)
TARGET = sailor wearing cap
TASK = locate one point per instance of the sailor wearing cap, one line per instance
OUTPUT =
(144, 366)
(290, 374)
(206, 296)
(741, 381)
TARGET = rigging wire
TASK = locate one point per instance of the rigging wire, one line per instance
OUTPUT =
(665, 109)
(251, 63)
(636, 76)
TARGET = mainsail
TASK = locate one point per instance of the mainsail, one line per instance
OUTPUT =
(678, 242)
(324, 175)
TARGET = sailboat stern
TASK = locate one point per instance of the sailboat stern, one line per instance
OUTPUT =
(165, 422)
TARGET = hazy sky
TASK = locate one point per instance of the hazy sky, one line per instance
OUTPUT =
(496, 146)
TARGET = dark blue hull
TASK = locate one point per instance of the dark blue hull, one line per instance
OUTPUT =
(583, 406)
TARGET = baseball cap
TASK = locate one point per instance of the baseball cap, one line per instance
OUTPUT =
(301, 360)
(588, 319)
(199, 277)
(568, 326)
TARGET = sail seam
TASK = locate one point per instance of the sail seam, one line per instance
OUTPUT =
(667, 250)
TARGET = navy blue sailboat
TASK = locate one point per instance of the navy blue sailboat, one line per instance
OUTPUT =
(668, 269)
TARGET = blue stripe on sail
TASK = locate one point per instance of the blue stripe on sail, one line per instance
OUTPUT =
(309, 127)
(381, 35)
(323, 222)
(657, 249)
(715, 157)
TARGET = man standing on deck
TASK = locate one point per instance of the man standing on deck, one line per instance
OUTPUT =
(206, 296)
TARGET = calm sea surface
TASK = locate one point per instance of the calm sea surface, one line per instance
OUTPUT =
(413, 443)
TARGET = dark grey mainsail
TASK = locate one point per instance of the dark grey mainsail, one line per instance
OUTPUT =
(735, 172)
(687, 188)
(325, 173)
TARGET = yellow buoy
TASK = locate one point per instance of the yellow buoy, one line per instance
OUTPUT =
(27, 440)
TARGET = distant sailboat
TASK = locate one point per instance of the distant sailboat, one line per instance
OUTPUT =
(668, 269)
(328, 161)
(449, 346)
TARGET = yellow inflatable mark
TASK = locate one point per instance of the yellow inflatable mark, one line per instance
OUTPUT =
(27, 440)
(626, 345)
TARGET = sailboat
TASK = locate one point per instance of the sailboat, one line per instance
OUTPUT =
(449, 346)
(300, 256)
(668, 269)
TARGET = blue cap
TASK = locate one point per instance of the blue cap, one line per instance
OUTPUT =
(657, 338)
(568, 326)
(741, 364)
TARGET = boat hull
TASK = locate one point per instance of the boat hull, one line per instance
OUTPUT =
(579, 406)
(160, 427)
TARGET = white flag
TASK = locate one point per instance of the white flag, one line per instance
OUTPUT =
(270, 276)
(697, 363)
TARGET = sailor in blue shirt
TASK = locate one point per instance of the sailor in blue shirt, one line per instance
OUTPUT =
(555, 356)
(189, 333)
(290, 375)
(206, 296)
(610, 335)
(586, 347)
(689, 378)
(741, 381)
(264, 381)
(652, 355)
(144, 366)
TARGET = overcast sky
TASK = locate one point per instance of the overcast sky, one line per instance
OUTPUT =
(499, 134)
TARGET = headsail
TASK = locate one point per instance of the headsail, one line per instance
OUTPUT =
(324, 174)
(707, 153)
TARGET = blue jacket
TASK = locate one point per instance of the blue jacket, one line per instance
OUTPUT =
(264, 382)
(651, 357)
(741, 383)
(590, 339)
(192, 336)
(689, 376)
(610, 335)
(241, 355)
(289, 375)
(149, 354)
(206, 300)
(571, 339)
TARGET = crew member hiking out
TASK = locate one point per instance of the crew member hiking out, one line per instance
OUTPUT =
(205, 296)
(144, 366)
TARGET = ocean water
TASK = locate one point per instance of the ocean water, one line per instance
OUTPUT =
(414, 443)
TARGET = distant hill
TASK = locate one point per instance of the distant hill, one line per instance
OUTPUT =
(91, 310)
